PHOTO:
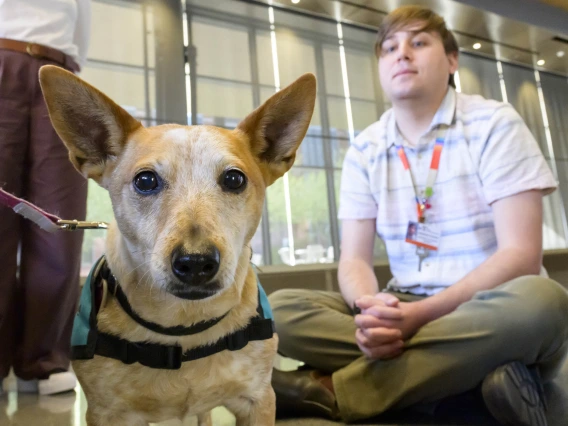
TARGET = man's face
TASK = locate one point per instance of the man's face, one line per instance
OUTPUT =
(413, 64)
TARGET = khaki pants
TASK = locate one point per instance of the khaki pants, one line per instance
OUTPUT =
(525, 319)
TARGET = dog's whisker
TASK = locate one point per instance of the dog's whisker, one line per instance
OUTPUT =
(139, 266)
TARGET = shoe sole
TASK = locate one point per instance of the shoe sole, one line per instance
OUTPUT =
(531, 411)
(51, 387)
(56, 383)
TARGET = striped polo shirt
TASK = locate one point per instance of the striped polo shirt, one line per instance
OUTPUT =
(489, 154)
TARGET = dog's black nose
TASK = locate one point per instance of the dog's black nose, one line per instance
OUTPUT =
(195, 268)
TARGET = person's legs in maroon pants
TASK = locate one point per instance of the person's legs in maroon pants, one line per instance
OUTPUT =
(14, 134)
(50, 262)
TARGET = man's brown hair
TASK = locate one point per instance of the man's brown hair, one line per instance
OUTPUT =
(408, 15)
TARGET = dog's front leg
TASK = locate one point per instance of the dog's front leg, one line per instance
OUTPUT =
(255, 412)
(204, 419)
(101, 417)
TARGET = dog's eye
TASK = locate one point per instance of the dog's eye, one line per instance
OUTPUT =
(146, 182)
(233, 180)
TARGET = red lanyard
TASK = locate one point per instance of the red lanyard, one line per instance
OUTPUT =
(422, 203)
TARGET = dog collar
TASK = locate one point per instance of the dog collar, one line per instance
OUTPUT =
(87, 341)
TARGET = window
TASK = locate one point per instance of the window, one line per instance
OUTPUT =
(522, 93)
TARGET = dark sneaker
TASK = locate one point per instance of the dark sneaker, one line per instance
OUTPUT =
(514, 395)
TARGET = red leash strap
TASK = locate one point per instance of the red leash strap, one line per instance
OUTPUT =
(40, 217)
(46, 221)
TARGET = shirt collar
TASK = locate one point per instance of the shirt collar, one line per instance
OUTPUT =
(444, 116)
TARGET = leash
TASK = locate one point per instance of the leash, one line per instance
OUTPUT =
(46, 221)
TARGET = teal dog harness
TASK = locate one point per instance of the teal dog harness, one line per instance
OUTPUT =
(87, 341)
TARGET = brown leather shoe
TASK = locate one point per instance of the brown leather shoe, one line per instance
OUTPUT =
(300, 394)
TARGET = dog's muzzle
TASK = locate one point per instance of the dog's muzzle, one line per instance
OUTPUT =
(195, 269)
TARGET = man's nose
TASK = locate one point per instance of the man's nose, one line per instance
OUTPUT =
(404, 50)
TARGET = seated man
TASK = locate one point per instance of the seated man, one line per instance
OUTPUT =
(469, 303)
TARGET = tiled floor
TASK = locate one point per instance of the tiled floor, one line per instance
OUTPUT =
(69, 410)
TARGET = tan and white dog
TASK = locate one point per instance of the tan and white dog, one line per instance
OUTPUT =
(187, 201)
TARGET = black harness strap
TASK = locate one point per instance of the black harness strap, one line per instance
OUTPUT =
(178, 330)
(156, 355)
(171, 357)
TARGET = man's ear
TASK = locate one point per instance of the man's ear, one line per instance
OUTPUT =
(276, 128)
(92, 127)
(453, 59)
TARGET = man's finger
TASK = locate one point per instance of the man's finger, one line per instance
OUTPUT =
(383, 312)
(387, 351)
(362, 340)
(381, 335)
(370, 321)
(366, 302)
(388, 298)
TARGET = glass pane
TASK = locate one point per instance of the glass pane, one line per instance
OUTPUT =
(124, 85)
(337, 187)
(310, 218)
(222, 50)
(337, 110)
(361, 70)
(339, 148)
(523, 95)
(379, 250)
(99, 208)
(150, 37)
(553, 236)
(296, 56)
(265, 93)
(310, 152)
(256, 245)
(479, 76)
(264, 55)
(364, 114)
(236, 102)
(554, 217)
(279, 240)
(315, 124)
(332, 70)
(555, 93)
(112, 22)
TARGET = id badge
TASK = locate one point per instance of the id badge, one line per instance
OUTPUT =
(425, 235)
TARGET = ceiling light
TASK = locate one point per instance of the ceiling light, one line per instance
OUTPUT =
(477, 46)
(295, 1)
(560, 53)
(540, 62)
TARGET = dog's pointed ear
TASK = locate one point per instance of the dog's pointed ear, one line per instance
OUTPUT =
(92, 127)
(276, 128)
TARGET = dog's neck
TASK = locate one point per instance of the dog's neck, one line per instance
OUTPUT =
(151, 302)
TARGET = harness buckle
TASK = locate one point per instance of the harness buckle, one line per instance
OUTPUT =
(150, 355)
(236, 341)
(129, 353)
(172, 356)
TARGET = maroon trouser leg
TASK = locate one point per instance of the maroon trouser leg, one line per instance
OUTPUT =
(36, 310)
